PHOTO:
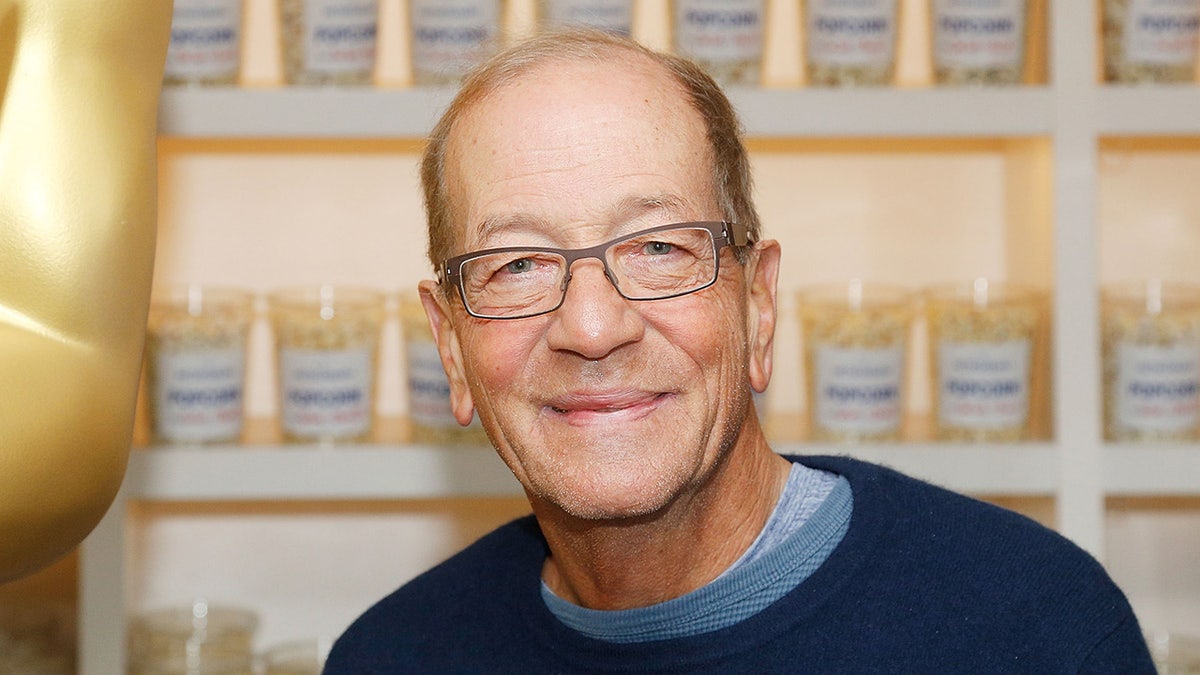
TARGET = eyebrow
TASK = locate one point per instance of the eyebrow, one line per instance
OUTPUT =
(625, 210)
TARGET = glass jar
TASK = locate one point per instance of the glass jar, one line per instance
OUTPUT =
(206, 43)
(850, 43)
(1174, 653)
(614, 16)
(982, 340)
(327, 341)
(1150, 341)
(855, 343)
(329, 42)
(197, 639)
(431, 419)
(724, 36)
(978, 42)
(297, 657)
(1150, 41)
(196, 364)
(450, 37)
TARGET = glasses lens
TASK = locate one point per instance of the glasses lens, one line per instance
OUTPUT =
(513, 283)
(663, 264)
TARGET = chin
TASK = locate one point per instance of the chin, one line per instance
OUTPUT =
(604, 500)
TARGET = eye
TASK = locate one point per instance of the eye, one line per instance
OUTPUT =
(519, 266)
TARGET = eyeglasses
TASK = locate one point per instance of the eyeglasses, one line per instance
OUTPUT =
(517, 282)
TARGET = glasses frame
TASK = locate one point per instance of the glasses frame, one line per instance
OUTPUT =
(723, 234)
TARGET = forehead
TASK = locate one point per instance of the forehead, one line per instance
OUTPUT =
(573, 141)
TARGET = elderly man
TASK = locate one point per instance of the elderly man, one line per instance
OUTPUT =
(606, 304)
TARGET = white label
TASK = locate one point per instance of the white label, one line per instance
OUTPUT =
(1162, 31)
(719, 30)
(858, 389)
(984, 385)
(198, 395)
(339, 35)
(326, 393)
(205, 39)
(851, 32)
(451, 36)
(978, 33)
(1158, 388)
(611, 15)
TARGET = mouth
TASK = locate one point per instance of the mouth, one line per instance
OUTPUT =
(584, 409)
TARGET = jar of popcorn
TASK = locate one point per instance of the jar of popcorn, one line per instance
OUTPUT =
(978, 42)
(855, 339)
(725, 37)
(614, 16)
(327, 341)
(449, 37)
(200, 638)
(329, 42)
(431, 419)
(1150, 41)
(849, 43)
(196, 364)
(206, 43)
(1150, 341)
(983, 342)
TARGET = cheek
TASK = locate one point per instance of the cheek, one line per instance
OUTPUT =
(709, 330)
(498, 352)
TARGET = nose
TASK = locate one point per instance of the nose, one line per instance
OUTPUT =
(594, 319)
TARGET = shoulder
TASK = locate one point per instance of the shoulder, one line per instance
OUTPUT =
(972, 565)
(476, 586)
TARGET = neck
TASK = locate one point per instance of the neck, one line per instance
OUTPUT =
(639, 562)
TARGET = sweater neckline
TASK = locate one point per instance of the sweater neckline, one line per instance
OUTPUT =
(866, 530)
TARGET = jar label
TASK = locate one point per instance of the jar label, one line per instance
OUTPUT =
(1162, 31)
(326, 393)
(428, 387)
(720, 30)
(615, 16)
(339, 35)
(198, 395)
(978, 33)
(450, 36)
(858, 389)
(205, 39)
(983, 385)
(851, 32)
(1158, 387)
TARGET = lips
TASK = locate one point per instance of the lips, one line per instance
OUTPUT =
(605, 407)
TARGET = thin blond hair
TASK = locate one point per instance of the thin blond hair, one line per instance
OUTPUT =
(730, 163)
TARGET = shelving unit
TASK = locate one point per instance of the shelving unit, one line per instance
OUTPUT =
(1074, 468)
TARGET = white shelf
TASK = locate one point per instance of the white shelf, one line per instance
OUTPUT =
(349, 113)
(313, 473)
(1152, 470)
(300, 112)
(1025, 469)
(1148, 111)
(896, 113)
(397, 472)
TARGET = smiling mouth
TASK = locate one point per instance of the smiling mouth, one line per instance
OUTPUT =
(584, 410)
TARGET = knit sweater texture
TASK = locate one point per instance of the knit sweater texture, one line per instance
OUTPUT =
(924, 581)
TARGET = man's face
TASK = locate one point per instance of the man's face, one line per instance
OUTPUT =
(605, 408)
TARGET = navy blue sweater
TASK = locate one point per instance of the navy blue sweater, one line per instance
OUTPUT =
(925, 581)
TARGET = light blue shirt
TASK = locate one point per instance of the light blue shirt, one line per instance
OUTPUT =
(808, 522)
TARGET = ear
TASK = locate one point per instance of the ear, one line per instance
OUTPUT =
(762, 310)
(437, 310)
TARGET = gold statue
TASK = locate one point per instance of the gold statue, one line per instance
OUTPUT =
(80, 81)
